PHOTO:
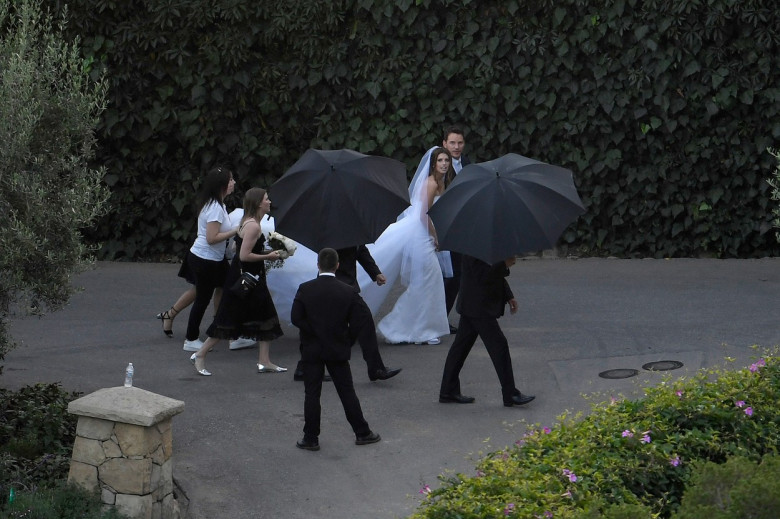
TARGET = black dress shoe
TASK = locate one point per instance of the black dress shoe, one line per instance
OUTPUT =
(365, 439)
(383, 374)
(298, 376)
(308, 445)
(456, 399)
(453, 330)
(519, 399)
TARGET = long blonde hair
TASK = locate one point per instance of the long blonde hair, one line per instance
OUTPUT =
(252, 201)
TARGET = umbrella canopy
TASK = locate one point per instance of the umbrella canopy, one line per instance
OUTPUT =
(338, 198)
(494, 210)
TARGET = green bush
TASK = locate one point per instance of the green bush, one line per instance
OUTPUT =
(36, 436)
(60, 502)
(736, 489)
(627, 457)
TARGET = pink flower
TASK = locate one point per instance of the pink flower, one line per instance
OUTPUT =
(480, 473)
(628, 434)
(739, 403)
(546, 430)
(674, 462)
(548, 514)
(566, 494)
(571, 475)
(679, 393)
(645, 438)
(425, 490)
(749, 411)
(509, 508)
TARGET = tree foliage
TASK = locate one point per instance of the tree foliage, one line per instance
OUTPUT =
(663, 109)
(49, 108)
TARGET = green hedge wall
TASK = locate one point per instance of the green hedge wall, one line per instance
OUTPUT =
(663, 109)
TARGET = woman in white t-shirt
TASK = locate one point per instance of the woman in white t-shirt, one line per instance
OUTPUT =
(205, 263)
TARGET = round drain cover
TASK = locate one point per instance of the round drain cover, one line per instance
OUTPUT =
(663, 365)
(619, 373)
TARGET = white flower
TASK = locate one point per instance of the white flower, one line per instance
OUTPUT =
(289, 246)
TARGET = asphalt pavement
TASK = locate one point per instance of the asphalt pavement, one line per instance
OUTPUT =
(234, 444)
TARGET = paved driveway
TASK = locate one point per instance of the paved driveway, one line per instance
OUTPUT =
(234, 445)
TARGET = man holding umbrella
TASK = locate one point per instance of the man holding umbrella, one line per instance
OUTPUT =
(492, 211)
(342, 199)
(483, 293)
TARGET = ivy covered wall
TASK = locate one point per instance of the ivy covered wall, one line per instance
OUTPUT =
(663, 109)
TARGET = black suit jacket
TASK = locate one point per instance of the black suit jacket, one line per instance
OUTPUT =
(349, 257)
(330, 315)
(484, 290)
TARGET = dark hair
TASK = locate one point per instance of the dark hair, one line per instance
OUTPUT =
(252, 200)
(214, 186)
(328, 260)
(453, 129)
(450, 171)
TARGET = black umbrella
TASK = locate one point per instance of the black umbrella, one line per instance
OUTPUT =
(338, 198)
(510, 205)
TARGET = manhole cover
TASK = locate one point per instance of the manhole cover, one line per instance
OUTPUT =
(662, 365)
(619, 373)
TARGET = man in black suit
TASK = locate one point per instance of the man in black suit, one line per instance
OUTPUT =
(454, 141)
(483, 293)
(330, 316)
(349, 257)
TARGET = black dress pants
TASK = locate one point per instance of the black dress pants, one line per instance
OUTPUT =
(487, 328)
(313, 372)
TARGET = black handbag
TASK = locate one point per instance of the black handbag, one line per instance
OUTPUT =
(244, 285)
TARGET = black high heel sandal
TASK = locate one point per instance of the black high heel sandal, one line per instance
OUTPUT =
(168, 316)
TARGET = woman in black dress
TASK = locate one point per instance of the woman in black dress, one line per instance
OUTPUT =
(254, 317)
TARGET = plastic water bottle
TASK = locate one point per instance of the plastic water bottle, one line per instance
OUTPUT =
(129, 375)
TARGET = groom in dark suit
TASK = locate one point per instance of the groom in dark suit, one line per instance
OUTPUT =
(330, 316)
(455, 141)
(483, 293)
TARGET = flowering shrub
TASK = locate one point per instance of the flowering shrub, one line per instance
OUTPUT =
(630, 458)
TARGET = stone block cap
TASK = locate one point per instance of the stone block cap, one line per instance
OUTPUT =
(129, 405)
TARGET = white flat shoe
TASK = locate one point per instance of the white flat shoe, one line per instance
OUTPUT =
(241, 343)
(261, 368)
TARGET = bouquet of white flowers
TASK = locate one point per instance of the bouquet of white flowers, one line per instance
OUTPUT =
(282, 244)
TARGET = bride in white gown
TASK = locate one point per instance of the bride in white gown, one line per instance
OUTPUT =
(405, 250)
(419, 315)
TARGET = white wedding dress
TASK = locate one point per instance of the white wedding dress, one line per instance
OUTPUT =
(419, 314)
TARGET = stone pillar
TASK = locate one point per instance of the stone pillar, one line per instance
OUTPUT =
(124, 450)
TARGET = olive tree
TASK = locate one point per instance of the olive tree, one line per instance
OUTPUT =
(49, 191)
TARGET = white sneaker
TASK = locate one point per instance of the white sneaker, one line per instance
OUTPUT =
(192, 345)
(241, 343)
